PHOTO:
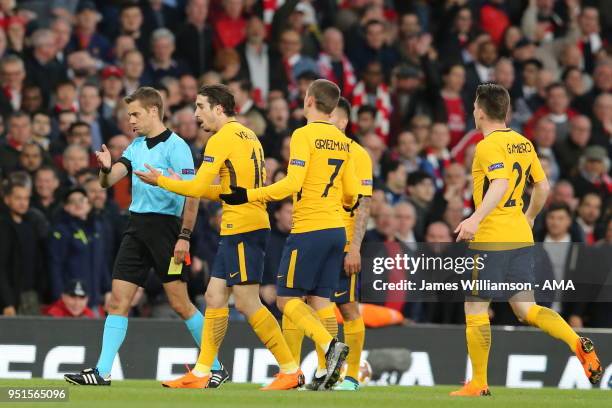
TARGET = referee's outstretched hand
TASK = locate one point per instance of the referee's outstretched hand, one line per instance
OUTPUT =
(236, 197)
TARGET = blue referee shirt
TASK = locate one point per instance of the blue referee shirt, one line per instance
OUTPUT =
(162, 152)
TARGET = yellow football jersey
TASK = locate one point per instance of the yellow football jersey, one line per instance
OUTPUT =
(319, 163)
(505, 154)
(235, 154)
(363, 172)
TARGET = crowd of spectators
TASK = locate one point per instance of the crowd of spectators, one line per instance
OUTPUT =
(409, 67)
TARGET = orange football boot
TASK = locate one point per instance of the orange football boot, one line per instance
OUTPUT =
(470, 390)
(189, 380)
(585, 351)
(286, 381)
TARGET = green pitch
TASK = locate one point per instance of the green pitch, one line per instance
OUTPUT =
(150, 394)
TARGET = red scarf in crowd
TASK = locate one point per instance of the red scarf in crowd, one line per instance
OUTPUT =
(327, 71)
(269, 8)
(382, 105)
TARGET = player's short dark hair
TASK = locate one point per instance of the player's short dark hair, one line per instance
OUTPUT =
(417, 177)
(494, 100)
(219, 94)
(326, 95)
(148, 98)
(560, 206)
(344, 105)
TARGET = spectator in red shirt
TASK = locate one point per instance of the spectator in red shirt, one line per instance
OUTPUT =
(230, 27)
(73, 302)
(455, 109)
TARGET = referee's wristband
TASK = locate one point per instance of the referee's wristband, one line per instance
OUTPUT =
(185, 234)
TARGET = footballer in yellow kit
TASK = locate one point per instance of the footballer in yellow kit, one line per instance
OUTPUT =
(235, 154)
(319, 163)
(346, 294)
(505, 154)
(500, 235)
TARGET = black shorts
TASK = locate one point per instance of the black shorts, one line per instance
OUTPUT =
(148, 242)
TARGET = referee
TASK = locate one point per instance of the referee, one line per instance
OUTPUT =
(154, 237)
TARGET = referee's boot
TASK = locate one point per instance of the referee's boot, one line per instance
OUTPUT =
(218, 377)
(89, 376)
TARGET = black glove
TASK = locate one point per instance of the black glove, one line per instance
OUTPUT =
(237, 196)
(354, 207)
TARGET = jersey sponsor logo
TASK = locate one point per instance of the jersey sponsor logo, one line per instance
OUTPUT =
(338, 294)
(233, 275)
(519, 148)
(208, 159)
(367, 182)
(229, 226)
(330, 144)
(296, 162)
(496, 166)
(188, 171)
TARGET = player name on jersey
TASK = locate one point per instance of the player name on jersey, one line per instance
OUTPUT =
(330, 144)
(519, 148)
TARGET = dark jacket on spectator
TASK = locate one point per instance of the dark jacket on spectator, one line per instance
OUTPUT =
(195, 47)
(77, 250)
(22, 260)
(47, 76)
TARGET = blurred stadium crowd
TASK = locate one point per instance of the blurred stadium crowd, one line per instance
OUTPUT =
(409, 67)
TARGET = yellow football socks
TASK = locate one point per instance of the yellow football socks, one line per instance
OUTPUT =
(354, 337)
(304, 317)
(327, 316)
(294, 337)
(478, 335)
(551, 323)
(269, 332)
(215, 326)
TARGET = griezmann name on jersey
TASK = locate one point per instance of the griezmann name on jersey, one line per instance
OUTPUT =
(320, 163)
(505, 154)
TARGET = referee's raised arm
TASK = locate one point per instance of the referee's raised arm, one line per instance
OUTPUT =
(110, 173)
